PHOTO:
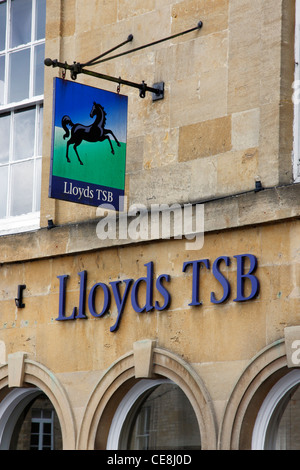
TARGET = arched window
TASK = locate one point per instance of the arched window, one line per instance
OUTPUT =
(155, 414)
(28, 421)
(277, 426)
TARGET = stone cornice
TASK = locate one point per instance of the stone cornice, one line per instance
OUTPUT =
(272, 205)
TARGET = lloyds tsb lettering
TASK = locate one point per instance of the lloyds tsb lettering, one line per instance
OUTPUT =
(160, 285)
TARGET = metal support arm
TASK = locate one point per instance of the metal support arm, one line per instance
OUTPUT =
(77, 68)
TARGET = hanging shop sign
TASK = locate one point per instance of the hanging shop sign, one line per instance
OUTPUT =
(89, 139)
(127, 291)
(90, 131)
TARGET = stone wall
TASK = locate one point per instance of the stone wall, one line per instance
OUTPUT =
(227, 117)
(225, 123)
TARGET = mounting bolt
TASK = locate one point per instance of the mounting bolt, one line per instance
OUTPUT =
(19, 299)
(258, 186)
(160, 86)
(50, 224)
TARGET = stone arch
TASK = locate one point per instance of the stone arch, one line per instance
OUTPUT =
(32, 373)
(124, 374)
(265, 369)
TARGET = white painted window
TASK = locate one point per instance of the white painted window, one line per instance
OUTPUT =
(22, 45)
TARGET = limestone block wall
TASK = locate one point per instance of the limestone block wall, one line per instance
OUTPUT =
(206, 334)
(227, 117)
(218, 341)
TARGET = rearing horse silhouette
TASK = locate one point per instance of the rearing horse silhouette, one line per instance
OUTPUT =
(96, 132)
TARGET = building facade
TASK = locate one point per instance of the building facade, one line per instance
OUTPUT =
(116, 334)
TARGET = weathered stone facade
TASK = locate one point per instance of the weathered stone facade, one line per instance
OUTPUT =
(225, 124)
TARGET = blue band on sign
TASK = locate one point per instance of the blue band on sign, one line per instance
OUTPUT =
(86, 193)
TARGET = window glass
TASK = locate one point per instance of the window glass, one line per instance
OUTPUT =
(2, 71)
(288, 434)
(41, 429)
(40, 19)
(4, 137)
(4, 187)
(38, 427)
(163, 419)
(39, 55)
(38, 170)
(40, 132)
(22, 50)
(2, 26)
(22, 188)
(23, 136)
(20, 22)
(277, 425)
(19, 73)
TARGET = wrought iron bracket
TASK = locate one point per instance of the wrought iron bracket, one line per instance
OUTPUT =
(19, 299)
(76, 68)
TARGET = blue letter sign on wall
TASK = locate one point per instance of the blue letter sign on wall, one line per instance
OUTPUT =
(89, 140)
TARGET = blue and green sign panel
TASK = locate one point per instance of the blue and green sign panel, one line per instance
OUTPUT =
(88, 145)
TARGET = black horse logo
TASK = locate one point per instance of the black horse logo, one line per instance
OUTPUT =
(96, 132)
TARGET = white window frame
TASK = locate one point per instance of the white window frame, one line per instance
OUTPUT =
(142, 437)
(41, 421)
(10, 409)
(124, 408)
(296, 98)
(29, 221)
(269, 407)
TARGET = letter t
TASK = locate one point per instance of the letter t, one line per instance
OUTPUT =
(196, 274)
